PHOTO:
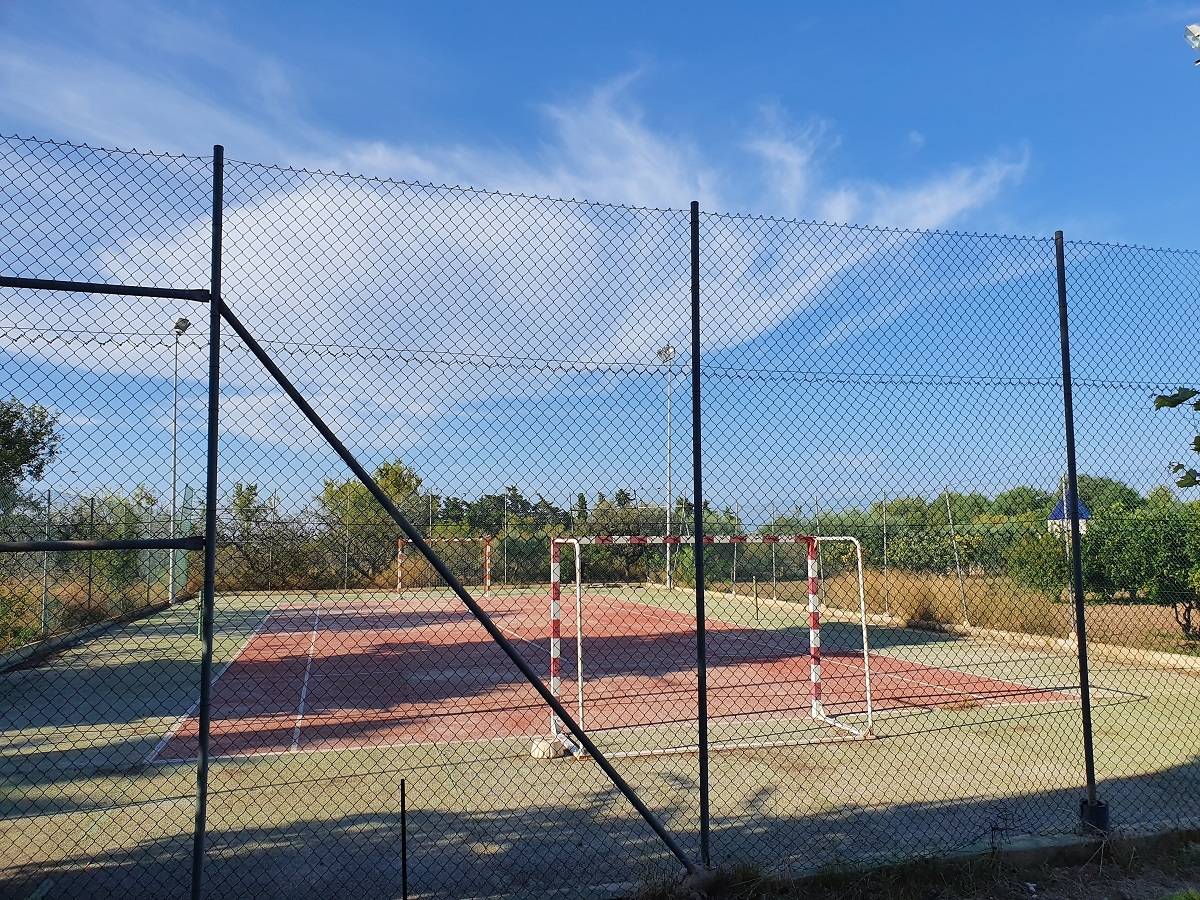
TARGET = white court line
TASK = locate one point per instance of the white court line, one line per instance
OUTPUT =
(312, 646)
(191, 710)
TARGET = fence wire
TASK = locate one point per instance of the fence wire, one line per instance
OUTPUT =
(892, 664)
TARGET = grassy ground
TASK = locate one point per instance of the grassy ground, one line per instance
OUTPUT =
(83, 811)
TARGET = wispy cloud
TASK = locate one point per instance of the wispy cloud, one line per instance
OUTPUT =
(148, 76)
(194, 83)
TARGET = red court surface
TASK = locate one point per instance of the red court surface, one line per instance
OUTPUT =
(345, 676)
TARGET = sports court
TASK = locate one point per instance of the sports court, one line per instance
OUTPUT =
(349, 671)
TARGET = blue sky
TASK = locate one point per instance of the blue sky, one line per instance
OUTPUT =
(1033, 117)
(1072, 116)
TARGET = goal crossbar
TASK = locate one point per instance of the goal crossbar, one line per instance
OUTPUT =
(812, 545)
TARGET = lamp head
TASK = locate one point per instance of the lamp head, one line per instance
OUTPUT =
(182, 325)
(667, 353)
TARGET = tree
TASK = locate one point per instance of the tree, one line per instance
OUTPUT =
(356, 520)
(29, 441)
(1037, 561)
(1024, 501)
(1187, 476)
(1099, 492)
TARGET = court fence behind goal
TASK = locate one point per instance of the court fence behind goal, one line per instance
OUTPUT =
(560, 743)
(456, 548)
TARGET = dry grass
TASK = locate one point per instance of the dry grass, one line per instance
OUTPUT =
(987, 601)
(70, 605)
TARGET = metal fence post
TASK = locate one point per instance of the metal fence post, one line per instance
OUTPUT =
(962, 592)
(91, 556)
(698, 546)
(210, 522)
(1093, 812)
(45, 614)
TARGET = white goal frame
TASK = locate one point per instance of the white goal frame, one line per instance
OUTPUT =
(817, 708)
(486, 541)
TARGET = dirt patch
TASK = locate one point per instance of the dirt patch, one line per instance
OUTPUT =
(1111, 874)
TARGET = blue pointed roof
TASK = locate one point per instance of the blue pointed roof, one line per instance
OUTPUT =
(1059, 513)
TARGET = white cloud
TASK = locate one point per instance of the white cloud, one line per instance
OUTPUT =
(337, 262)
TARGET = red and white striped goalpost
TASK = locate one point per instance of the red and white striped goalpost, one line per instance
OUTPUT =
(817, 710)
(486, 544)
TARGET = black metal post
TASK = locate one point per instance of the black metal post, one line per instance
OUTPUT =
(698, 549)
(403, 842)
(77, 546)
(415, 538)
(91, 555)
(1093, 812)
(95, 287)
(210, 522)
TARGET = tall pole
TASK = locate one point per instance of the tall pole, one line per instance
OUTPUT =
(733, 568)
(505, 547)
(91, 556)
(1093, 812)
(346, 545)
(962, 594)
(45, 616)
(210, 525)
(670, 576)
(667, 355)
(698, 547)
(181, 325)
(774, 530)
(887, 607)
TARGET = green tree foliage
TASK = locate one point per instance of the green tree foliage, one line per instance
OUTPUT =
(1038, 561)
(356, 521)
(1098, 493)
(29, 441)
(1024, 502)
(1187, 476)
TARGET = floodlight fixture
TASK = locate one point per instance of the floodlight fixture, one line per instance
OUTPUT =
(1192, 33)
(182, 325)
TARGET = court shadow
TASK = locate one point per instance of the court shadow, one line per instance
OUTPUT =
(314, 838)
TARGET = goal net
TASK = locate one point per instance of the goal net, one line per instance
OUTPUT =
(603, 633)
(470, 558)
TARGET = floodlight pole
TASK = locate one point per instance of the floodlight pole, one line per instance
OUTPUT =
(181, 325)
(667, 355)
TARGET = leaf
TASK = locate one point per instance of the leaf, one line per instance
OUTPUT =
(1180, 397)
(1189, 478)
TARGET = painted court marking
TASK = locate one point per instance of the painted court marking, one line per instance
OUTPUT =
(495, 710)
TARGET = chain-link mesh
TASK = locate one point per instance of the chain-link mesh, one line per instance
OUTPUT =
(1134, 337)
(891, 658)
(89, 397)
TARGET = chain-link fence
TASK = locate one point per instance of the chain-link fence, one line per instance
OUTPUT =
(457, 600)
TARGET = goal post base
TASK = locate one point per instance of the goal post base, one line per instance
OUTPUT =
(552, 748)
